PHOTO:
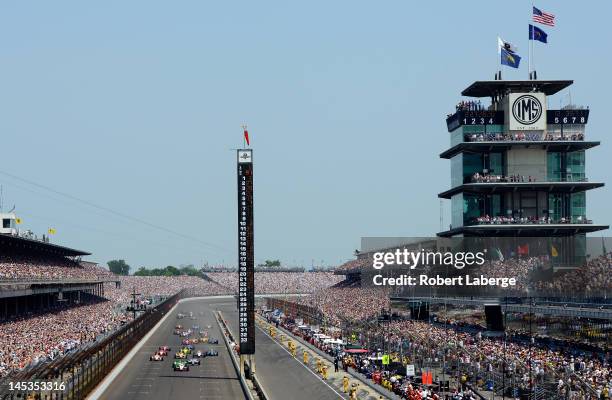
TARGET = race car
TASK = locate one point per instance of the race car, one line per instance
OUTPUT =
(203, 333)
(156, 357)
(180, 366)
(177, 331)
(185, 333)
(187, 349)
(195, 340)
(165, 348)
(178, 327)
(204, 340)
(193, 361)
(196, 327)
(213, 341)
(200, 353)
(180, 355)
(212, 353)
(185, 342)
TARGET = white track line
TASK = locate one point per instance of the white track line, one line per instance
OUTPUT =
(299, 362)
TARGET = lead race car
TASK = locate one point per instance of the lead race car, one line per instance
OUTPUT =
(156, 357)
(180, 365)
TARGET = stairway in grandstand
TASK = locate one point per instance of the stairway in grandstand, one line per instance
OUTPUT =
(348, 283)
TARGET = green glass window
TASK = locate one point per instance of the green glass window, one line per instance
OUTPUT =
(566, 167)
(578, 206)
(493, 163)
(575, 166)
(472, 163)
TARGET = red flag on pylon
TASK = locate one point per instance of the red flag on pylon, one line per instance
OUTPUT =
(246, 137)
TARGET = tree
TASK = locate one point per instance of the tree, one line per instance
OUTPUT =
(272, 263)
(118, 267)
(171, 271)
(189, 270)
(142, 271)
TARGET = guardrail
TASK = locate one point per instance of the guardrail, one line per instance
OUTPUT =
(227, 338)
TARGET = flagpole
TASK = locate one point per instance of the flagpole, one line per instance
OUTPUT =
(529, 45)
(531, 36)
(244, 128)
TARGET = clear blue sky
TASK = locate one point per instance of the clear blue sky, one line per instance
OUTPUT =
(135, 105)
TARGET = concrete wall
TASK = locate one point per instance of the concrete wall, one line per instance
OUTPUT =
(527, 162)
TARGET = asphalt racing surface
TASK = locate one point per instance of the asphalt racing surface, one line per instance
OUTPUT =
(282, 376)
(215, 378)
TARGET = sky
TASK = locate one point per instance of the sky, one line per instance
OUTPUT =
(133, 108)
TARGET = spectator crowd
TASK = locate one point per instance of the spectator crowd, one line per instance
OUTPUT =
(279, 282)
(52, 331)
(20, 267)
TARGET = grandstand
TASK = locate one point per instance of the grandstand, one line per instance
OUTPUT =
(35, 275)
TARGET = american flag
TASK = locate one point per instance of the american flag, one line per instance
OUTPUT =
(543, 18)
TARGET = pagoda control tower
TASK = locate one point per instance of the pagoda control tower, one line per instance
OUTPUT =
(518, 168)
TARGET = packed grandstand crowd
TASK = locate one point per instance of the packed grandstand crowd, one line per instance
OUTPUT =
(26, 340)
(27, 267)
(593, 278)
(527, 362)
(279, 282)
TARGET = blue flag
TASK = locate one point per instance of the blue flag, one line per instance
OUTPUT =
(509, 58)
(538, 34)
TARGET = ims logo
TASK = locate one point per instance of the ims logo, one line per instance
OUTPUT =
(527, 109)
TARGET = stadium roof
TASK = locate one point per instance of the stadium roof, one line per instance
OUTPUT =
(491, 88)
(19, 243)
(532, 230)
(496, 187)
(486, 147)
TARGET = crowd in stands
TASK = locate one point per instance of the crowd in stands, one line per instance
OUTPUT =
(279, 282)
(567, 370)
(469, 105)
(594, 278)
(347, 304)
(521, 137)
(31, 338)
(489, 178)
(499, 220)
(354, 265)
(26, 339)
(16, 267)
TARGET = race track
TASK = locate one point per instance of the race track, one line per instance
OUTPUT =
(281, 376)
(215, 378)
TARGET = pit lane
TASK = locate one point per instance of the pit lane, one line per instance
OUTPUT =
(281, 376)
